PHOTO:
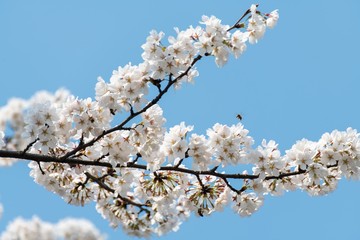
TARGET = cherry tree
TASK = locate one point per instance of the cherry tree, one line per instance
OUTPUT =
(114, 150)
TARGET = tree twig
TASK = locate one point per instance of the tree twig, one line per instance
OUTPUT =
(237, 25)
(212, 172)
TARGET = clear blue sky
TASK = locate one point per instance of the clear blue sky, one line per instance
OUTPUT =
(300, 81)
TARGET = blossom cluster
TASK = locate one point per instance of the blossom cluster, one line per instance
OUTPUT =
(12, 120)
(116, 150)
(66, 229)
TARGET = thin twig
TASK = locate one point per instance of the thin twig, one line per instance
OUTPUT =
(102, 157)
(138, 155)
(41, 170)
(237, 25)
(200, 182)
(30, 145)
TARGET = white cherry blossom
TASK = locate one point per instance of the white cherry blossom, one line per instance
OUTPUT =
(272, 19)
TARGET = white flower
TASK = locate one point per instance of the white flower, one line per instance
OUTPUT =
(175, 144)
(229, 143)
(267, 161)
(152, 48)
(238, 40)
(221, 54)
(245, 204)
(222, 200)
(256, 27)
(200, 152)
(214, 26)
(302, 153)
(258, 186)
(316, 172)
(272, 19)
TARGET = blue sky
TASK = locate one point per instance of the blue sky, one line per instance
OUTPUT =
(300, 81)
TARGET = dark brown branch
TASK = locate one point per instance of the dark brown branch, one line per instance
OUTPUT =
(210, 172)
(156, 83)
(224, 176)
(138, 155)
(283, 175)
(49, 159)
(214, 168)
(102, 157)
(230, 186)
(41, 170)
(179, 163)
(30, 145)
(131, 109)
(132, 128)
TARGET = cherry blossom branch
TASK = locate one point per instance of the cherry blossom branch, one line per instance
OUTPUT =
(212, 172)
(133, 114)
(50, 159)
